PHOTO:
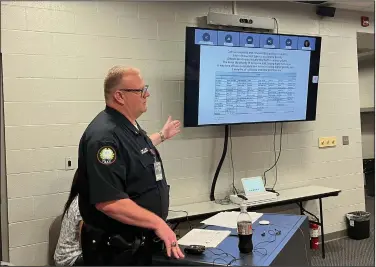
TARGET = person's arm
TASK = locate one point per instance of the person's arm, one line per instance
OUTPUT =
(80, 224)
(128, 212)
(169, 130)
(156, 138)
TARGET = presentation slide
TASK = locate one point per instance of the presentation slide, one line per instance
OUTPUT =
(241, 84)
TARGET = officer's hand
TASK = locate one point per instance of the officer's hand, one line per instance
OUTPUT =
(168, 236)
(171, 128)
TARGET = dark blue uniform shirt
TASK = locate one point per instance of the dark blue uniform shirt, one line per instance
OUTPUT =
(116, 161)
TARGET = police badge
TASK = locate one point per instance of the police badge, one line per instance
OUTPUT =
(106, 155)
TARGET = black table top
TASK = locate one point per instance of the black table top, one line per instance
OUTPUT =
(266, 247)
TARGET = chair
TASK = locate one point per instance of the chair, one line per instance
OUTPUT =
(53, 238)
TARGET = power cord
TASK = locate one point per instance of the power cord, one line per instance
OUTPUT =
(231, 262)
(263, 251)
(304, 210)
(212, 189)
(186, 212)
(256, 249)
(280, 149)
(224, 201)
(235, 191)
(272, 233)
(276, 232)
(274, 135)
(218, 259)
(276, 159)
(234, 259)
(280, 143)
(276, 23)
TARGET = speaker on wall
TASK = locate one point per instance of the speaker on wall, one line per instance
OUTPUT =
(326, 11)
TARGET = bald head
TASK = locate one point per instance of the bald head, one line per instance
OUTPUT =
(120, 75)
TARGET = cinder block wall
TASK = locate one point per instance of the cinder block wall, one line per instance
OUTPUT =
(56, 55)
(366, 72)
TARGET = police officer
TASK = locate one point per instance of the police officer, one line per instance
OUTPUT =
(123, 193)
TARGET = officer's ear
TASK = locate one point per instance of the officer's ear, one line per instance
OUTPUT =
(119, 97)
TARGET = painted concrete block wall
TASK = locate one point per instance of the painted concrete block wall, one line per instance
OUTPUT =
(366, 72)
(56, 55)
(368, 135)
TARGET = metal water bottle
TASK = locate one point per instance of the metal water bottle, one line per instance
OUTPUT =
(244, 224)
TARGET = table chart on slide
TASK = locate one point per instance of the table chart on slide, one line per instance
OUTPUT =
(254, 92)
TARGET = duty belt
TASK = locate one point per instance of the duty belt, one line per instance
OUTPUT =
(115, 241)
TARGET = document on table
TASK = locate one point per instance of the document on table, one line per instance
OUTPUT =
(229, 219)
(203, 237)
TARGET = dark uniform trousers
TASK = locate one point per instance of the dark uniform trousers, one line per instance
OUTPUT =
(100, 249)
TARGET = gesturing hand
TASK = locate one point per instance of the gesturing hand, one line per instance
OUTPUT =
(165, 233)
(171, 128)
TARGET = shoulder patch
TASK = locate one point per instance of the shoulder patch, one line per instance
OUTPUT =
(106, 155)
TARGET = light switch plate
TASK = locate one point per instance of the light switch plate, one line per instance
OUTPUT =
(69, 164)
(345, 140)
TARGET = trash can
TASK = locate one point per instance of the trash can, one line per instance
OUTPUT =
(358, 224)
(369, 176)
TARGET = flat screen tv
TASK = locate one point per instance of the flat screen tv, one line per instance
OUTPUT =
(237, 77)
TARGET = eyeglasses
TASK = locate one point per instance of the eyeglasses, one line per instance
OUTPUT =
(142, 91)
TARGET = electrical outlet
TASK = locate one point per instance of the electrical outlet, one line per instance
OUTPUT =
(69, 163)
(327, 141)
(333, 141)
(321, 142)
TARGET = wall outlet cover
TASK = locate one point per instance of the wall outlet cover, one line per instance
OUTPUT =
(345, 140)
(69, 164)
(327, 141)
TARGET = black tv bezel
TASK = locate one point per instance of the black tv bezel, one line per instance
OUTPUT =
(192, 79)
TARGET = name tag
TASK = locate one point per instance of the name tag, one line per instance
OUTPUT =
(144, 150)
(158, 171)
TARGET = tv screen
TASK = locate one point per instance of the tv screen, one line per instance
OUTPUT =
(235, 77)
